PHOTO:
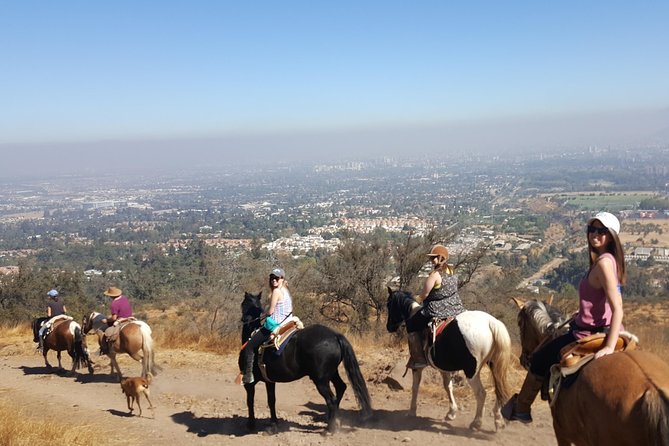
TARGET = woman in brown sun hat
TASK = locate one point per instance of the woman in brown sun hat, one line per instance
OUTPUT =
(440, 300)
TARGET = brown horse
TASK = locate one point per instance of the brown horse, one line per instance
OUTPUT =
(66, 335)
(619, 399)
(134, 339)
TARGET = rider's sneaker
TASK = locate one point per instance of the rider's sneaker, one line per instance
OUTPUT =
(247, 378)
(415, 365)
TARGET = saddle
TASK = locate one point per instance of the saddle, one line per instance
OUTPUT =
(112, 335)
(436, 326)
(576, 355)
(278, 340)
(54, 322)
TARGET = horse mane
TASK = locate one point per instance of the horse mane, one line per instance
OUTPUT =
(545, 318)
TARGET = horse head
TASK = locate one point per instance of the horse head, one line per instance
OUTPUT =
(538, 323)
(251, 311)
(399, 303)
(87, 322)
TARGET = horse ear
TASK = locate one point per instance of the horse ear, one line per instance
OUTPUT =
(550, 300)
(390, 290)
(520, 302)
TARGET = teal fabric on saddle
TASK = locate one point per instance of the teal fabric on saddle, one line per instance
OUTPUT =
(270, 323)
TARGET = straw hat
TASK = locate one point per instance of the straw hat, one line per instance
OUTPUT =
(113, 292)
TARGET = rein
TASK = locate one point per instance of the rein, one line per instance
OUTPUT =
(548, 338)
(252, 320)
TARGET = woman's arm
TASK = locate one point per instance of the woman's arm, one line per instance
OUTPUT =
(48, 311)
(273, 299)
(607, 277)
(429, 284)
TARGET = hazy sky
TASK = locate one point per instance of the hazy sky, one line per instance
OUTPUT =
(257, 78)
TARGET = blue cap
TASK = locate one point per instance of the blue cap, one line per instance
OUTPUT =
(53, 293)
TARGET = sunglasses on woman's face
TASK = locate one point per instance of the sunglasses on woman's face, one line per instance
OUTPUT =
(273, 278)
(598, 231)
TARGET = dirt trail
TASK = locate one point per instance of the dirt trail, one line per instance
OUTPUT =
(198, 403)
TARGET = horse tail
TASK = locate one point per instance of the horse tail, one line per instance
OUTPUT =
(355, 376)
(148, 361)
(500, 360)
(79, 357)
(655, 408)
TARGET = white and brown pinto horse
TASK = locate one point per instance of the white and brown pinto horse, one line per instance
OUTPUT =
(66, 335)
(618, 399)
(134, 339)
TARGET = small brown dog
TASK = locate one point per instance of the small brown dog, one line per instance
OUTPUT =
(133, 388)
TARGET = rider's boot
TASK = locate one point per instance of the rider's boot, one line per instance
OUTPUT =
(247, 378)
(417, 358)
(519, 406)
(104, 345)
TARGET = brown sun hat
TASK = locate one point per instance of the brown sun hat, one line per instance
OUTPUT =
(113, 292)
(439, 250)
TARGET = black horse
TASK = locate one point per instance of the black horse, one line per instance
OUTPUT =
(315, 351)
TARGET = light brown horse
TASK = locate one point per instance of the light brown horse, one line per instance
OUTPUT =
(134, 339)
(619, 399)
(66, 335)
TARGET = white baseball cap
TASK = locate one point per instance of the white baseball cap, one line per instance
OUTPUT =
(608, 220)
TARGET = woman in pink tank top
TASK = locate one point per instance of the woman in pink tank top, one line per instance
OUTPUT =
(600, 309)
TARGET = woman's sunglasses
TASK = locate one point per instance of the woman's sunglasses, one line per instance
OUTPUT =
(272, 278)
(599, 231)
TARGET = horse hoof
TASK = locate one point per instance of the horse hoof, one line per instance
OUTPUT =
(476, 425)
(450, 416)
(333, 427)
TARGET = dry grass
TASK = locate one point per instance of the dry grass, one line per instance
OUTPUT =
(18, 428)
(16, 340)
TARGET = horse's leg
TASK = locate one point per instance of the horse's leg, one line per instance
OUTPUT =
(271, 403)
(340, 387)
(416, 375)
(323, 387)
(447, 378)
(60, 365)
(45, 350)
(479, 392)
(250, 395)
(114, 363)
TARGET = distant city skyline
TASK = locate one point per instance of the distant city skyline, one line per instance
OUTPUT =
(127, 85)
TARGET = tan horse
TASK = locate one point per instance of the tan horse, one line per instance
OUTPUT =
(619, 399)
(66, 335)
(134, 339)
